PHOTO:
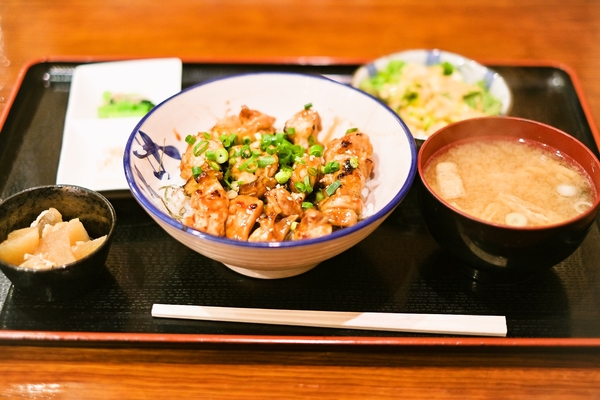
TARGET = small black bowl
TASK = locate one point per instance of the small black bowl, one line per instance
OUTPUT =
(498, 253)
(67, 281)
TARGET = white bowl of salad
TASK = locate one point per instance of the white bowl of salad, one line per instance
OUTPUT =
(270, 173)
(430, 89)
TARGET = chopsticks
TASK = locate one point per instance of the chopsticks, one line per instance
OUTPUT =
(477, 325)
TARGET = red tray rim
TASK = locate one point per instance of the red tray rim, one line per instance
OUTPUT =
(56, 337)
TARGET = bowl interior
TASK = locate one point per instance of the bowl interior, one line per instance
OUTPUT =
(471, 70)
(518, 128)
(153, 151)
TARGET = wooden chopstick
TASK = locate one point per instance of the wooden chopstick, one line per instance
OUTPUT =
(477, 325)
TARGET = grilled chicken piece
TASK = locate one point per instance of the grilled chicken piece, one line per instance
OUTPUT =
(189, 160)
(259, 187)
(282, 203)
(309, 166)
(244, 161)
(246, 124)
(271, 230)
(209, 201)
(243, 212)
(313, 224)
(305, 124)
(353, 152)
(342, 210)
(281, 210)
(355, 144)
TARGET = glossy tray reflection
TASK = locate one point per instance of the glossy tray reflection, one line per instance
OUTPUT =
(399, 268)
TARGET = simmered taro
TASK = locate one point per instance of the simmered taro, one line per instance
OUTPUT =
(48, 243)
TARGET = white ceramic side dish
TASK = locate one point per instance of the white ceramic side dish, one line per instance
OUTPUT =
(92, 148)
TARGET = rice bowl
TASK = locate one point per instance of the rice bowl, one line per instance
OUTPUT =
(153, 152)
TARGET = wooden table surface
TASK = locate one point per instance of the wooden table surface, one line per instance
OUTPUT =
(316, 30)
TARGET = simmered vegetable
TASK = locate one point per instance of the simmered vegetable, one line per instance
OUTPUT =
(430, 97)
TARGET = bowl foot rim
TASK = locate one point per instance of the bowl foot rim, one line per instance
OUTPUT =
(271, 274)
(499, 277)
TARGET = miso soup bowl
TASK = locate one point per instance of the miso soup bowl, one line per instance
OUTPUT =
(69, 280)
(491, 252)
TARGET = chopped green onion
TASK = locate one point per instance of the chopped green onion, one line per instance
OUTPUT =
(307, 186)
(271, 149)
(332, 188)
(306, 205)
(251, 166)
(221, 155)
(246, 140)
(298, 150)
(246, 152)
(311, 140)
(285, 155)
(228, 141)
(300, 187)
(351, 130)
(214, 165)
(200, 147)
(316, 150)
(354, 162)
(312, 171)
(196, 171)
(207, 135)
(283, 175)
(330, 167)
(266, 140)
(307, 106)
(290, 131)
(319, 196)
(265, 161)
(447, 68)
(227, 178)
(189, 139)
(210, 155)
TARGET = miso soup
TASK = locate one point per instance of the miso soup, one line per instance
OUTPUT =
(510, 181)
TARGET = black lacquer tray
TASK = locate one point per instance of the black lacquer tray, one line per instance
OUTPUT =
(399, 268)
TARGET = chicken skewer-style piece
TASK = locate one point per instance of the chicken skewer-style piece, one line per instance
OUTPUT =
(208, 199)
(314, 224)
(353, 153)
(247, 124)
(248, 163)
(209, 202)
(271, 229)
(213, 212)
(195, 157)
(243, 211)
(305, 175)
(281, 210)
(304, 127)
